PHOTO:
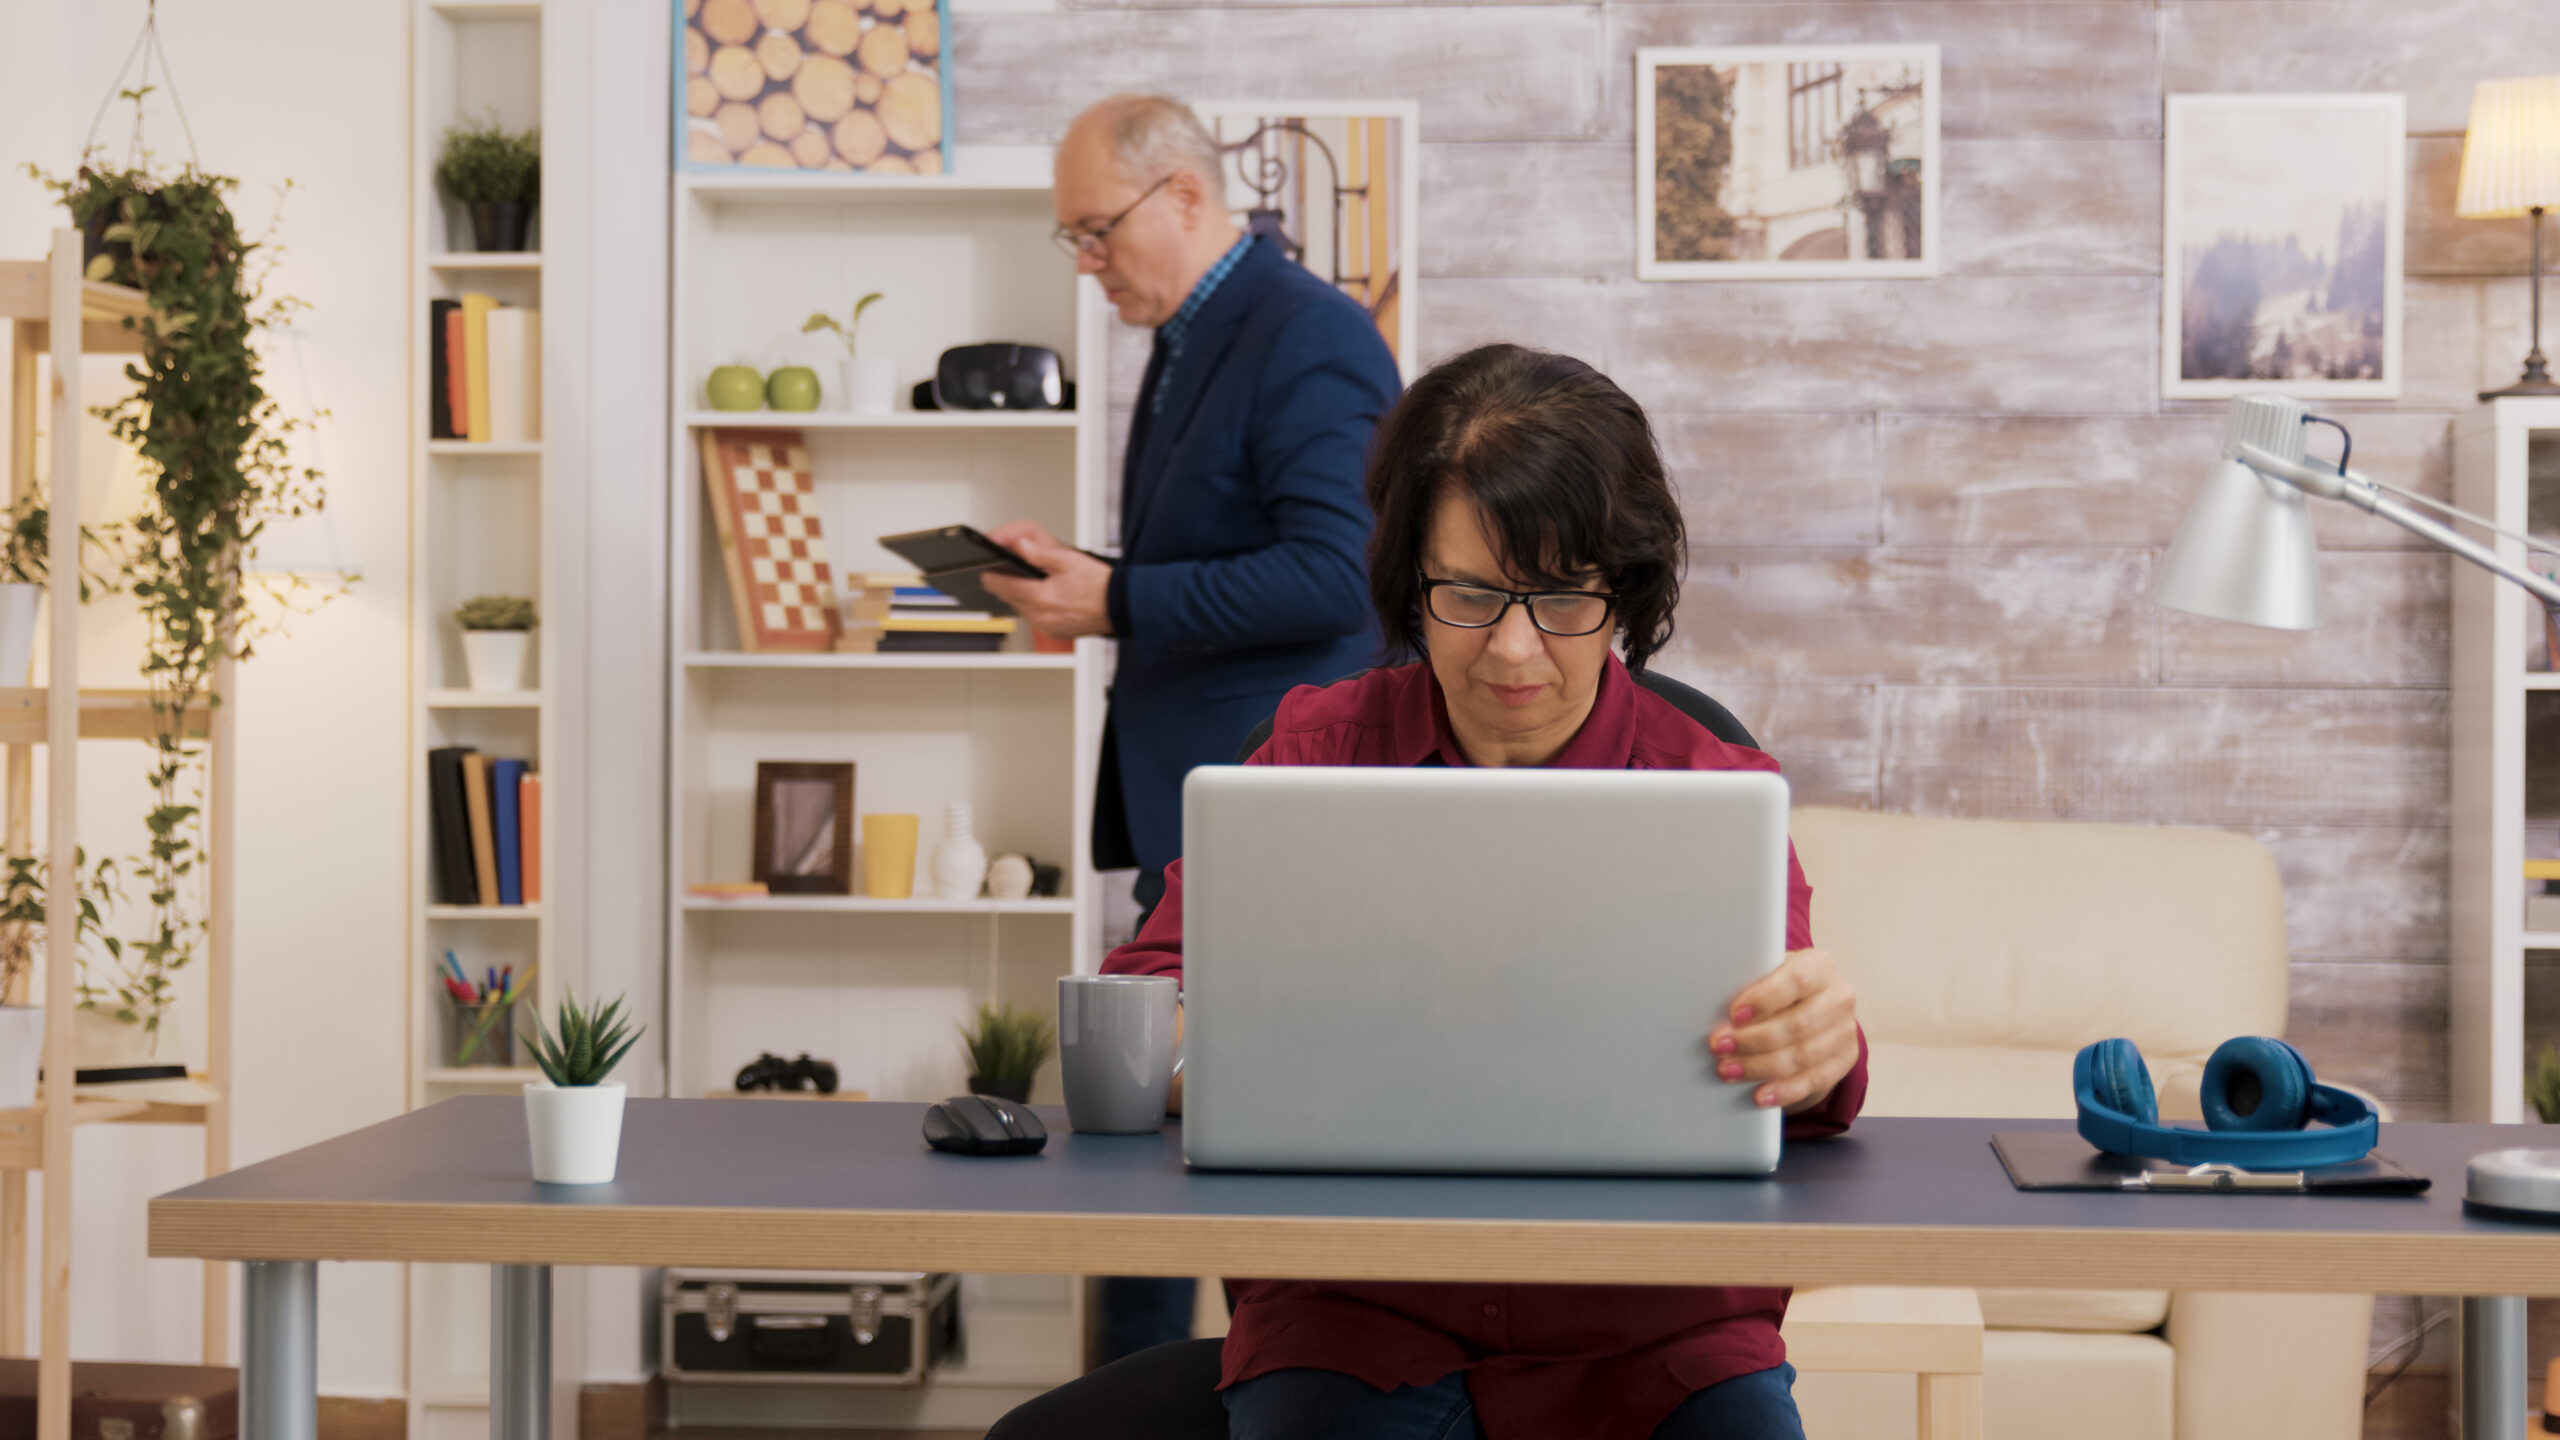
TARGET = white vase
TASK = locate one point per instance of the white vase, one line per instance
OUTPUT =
(870, 386)
(496, 658)
(21, 1054)
(19, 605)
(959, 862)
(575, 1130)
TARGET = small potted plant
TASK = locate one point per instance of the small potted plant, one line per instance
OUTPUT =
(497, 636)
(495, 174)
(870, 386)
(22, 578)
(573, 1115)
(2542, 1085)
(1006, 1051)
(22, 918)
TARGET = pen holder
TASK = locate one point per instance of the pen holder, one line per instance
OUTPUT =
(483, 1035)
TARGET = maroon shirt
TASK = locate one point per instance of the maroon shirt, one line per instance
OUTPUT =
(1593, 1362)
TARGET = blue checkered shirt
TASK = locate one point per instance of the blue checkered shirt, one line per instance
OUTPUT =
(1170, 334)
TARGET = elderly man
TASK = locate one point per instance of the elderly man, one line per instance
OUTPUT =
(1242, 522)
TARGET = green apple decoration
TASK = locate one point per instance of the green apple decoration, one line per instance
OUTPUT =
(793, 387)
(735, 387)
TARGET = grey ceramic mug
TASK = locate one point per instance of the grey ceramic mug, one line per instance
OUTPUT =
(1116, 1050)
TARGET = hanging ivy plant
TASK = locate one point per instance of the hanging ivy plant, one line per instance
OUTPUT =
(215, 448)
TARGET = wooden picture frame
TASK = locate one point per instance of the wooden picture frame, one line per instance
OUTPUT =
(1830, 167)
(804, 826)
(846, 87)
(2273, 208)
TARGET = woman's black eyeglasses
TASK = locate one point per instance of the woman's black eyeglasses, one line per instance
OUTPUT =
(1562, 613)
(1097, 242)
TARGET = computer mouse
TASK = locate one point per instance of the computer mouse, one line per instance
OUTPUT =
(983, 1125)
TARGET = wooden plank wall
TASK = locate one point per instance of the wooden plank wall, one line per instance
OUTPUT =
(1925, 512)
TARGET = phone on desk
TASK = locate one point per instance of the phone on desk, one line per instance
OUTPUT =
(952, 558)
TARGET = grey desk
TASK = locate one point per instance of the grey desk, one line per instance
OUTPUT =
(761, 1184)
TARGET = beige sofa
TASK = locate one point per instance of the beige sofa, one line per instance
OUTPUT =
(1985, 954)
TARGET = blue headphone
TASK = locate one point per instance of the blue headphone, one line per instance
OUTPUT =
(2259, 1095)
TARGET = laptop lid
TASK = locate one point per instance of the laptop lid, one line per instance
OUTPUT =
(1475, 970)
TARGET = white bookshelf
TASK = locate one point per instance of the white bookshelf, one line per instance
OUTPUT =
(877, 985)
(2506, 465)
(485, 519)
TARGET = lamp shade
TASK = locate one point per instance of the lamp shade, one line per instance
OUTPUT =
(2511, 153)
(2244, 553)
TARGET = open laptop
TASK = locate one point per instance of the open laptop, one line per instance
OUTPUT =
(1475, 970)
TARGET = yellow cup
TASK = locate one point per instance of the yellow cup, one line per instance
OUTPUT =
(889, 856)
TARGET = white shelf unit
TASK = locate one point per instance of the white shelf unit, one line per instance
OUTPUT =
(2506, 758)
(878, 985)
(482, 521)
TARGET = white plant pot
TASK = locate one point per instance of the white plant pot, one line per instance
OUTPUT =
(870, 386)
(496, 658)
(19, 605)
(576, 1131)
(21, 1054)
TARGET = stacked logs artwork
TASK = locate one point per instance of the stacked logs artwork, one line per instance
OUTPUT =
(814, 84)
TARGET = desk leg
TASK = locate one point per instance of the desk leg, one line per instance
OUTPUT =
(280, 1350)
(519, 1352)
(2493, 1366)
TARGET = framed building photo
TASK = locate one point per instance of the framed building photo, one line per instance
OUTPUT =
(2281, 246)
(1786, 162)
(804, 826)
(1336, 183)
(813, 85)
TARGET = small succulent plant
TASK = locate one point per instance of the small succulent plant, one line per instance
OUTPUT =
(1009, 1044)
(495, 612)
(589, 1042)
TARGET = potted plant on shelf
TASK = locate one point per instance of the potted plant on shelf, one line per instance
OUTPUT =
(21, 931)
(495, 174)
(2542, 1085)
(870, 386)
(1006, 1051)
(573, 1115)
(22, 577)
(497, 635)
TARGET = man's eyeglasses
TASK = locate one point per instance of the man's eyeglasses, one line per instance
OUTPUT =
(1563, 613)
(1097, 242)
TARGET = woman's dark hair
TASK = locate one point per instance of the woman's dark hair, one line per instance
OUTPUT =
(1563, 465)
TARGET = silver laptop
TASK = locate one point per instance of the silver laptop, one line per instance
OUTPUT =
(1475, 970)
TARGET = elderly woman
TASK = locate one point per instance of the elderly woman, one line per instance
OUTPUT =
(1524, 524)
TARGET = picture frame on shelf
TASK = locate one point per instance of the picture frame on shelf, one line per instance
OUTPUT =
(813, 85)
(2282, 218)
(1338, 184)
(804, 826)
(1787, 162)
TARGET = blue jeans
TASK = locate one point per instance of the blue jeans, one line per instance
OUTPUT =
(1322, 1405)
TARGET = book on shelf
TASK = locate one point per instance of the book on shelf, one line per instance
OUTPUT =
(928, 642)
(529, 818)
(505, 776)
(440, 424)
(457, 379)
(449, 823)
(475, 361)
(484, 840)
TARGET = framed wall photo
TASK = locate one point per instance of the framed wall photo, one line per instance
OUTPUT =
(1337, 184)
(813, 85)
(2281, 245)
(1762, 162)
(804, 826)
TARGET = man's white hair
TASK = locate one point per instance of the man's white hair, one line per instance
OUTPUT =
(1154, 135)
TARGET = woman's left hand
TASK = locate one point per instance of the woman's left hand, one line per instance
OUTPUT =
(1793, 1032)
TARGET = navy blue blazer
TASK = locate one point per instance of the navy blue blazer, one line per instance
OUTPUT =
(1244, 532)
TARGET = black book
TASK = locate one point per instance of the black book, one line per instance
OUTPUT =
(450, 822)
(938, 642)
(440, 373)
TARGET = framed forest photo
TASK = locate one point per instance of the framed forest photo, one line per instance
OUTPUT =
(1786, 162)
(2282, 217)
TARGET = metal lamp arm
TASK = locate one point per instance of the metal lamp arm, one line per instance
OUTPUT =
(2363, 494)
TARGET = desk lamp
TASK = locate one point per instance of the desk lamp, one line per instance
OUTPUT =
(2245, 551)
(2511, 167)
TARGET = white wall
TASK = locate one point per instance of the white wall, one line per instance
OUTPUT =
(315, 91)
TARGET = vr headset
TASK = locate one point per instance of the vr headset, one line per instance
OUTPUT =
(997, 377)
(2263, 1110)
